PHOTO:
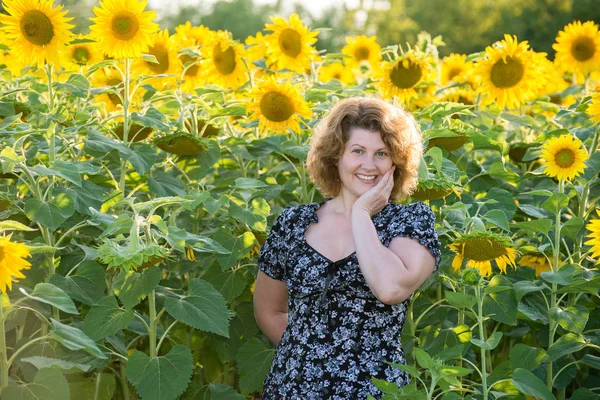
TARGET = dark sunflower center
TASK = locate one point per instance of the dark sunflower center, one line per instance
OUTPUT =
(124, 25)
(337, 75)
(361, 53)
(564, 158)
(224, 60)
(81, 55)
(481, 249)
(37, 27)
(507, 74)
(406, 77)
(162, 56)
(290, 42)
(453, 72)
(192, 70)
(276, 107)
(113, 96)
(583, 48)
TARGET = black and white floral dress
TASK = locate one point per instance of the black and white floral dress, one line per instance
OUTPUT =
(338, 332)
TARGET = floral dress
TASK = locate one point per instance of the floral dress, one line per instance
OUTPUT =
(338, 332)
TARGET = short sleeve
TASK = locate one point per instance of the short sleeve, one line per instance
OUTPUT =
(271, 259)
(416, 221)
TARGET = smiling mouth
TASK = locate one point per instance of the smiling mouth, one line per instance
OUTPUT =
(366, 178)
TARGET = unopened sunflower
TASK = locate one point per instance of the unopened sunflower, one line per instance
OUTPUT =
(289, 46)
(223, 61)
(480, 249)
(122, 28)
(12, 262)
(594, 237)
(278, 106)
(594, 108)
(578, 48)
(163, 48)
(337, 71)
(434, 189)
(81, 54)
(399, 78)
(35, 31)
(363, 50)
(508, 74)
(563, 157)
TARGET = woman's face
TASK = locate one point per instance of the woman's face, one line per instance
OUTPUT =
(364, 162)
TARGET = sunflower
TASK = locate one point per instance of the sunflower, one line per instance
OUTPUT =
(165, 51)
(363, 50)
(594, 236)
(112, 78)
(537, 261)
(337, 71)
(122, 28)
(190, 36)
(508, 74)
(455, 68)
(563, 157)
(594, 108)
(255, 47)
(80, 54)
(278, 106)
(289, 46)
(223, 60)
(434, 189)
(35, 31)
(481, 248)
(578, 48)
(12, 262)
(401, 77)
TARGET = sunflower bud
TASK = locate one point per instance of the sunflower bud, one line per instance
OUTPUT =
(471, 276)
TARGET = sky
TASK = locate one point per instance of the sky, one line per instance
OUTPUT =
(316, 7)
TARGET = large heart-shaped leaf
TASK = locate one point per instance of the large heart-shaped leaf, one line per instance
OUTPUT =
(163, 377)
(203, 308)
(106, 318)
(86, 285)
(48, 384)
(131, 287)
(254, 361)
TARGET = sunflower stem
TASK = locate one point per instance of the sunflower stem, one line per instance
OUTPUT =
(51, 109)
(153, 323)
(124, 385)
(125, 124)
(482, 338)
(3, 356)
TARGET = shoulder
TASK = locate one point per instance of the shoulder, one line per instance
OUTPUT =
(298, 213)
(415, 209)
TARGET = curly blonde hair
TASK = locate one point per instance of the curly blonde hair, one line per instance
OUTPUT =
(399, 131)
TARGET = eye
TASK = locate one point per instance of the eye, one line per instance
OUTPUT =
(355, 150)
(383, 153)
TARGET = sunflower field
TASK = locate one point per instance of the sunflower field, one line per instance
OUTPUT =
(141, 171)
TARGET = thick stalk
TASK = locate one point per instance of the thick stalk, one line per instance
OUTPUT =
(153, 323)
(124, 385)
(125, 125)
(482, 338)
(51, 109)
(97, 389)
(3, 356)
(552, 326)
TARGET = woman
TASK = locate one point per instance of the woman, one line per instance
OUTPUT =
(336, 277)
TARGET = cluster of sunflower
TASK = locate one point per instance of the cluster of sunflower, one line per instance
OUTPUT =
(270, 73)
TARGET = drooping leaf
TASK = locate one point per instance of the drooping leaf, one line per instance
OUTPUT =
(566, 344)
(572, 319)
(74, 339)
(531, 385)
(62, 365)
(50, 294)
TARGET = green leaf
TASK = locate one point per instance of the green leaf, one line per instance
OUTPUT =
(85, 388)
(501, 300)
(531, 385)
(48, 384)
(106, 318)
(249, 183)
(460, 300)
(76, 85)
(490, 343)
(255, 216)
(583, 393)
(14, 226)
(423, 358)
(254, 362)
(412, 371)
(230, 283)
(523, 356)
(564, 276)
(203, 308)
(62, 169)
(50, 294)
(50, 214)
(87, 285)
(153, 119)
(74, 339)
(86, 196)
(572, 319)
(566, 344)
(590, 286)
(239, 247)
(165, 185)
(161, 378)
(536, 226)
(523, 288)
(592, 361)
(142, 156)
(572, 227)
(557, 202)
(61, 365)
(131, 287)
(497, 218)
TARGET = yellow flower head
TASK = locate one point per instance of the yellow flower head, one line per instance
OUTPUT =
(508, 74)
(481, 248)
(255, 47)
(537, 261)
(190, 36)
(455, 68)
(223, 60)
(278, 106)
(81, 54)
(12, 262)
(563, 157)
(594, 236)
(400, 77)
(363, 49)
(35, 31)
(337, 71)
(594, 108)
(122, 28)
(578, 48)
(165, 51)
(290, 44)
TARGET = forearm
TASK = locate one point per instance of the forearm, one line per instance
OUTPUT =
(384, 272)
(273, 326)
